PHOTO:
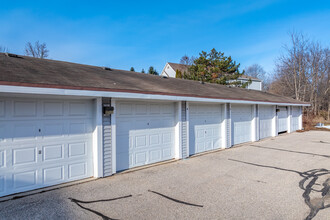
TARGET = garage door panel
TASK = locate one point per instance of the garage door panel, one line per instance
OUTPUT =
(77, 170)
(167, 109)
(2, 158)
(205, 127)
(24, 131)
(53, 129)
(2, 184)
(78, 109)
(53, 152)
(77, 149)
(24, 156)
(2, 108)
(266, 115)
(144, 132)
(241, 123)
(168, 152)
(155, 155)
(45, 142)
(25, 109)
(140, 141)
(25, 179)
(155, 109)
(53, 108)
(53, 174)
(282, 119)
(125, 109)
(77, 128)
(141, 109)
(140, 158)
(154, 139)
(295, 118)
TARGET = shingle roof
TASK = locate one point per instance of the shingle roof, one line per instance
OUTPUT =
(28, 71)
(184, 68)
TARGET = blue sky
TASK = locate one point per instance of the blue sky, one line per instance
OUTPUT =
(121, 34)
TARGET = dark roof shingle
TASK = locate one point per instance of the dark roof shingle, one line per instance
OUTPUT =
(36, 72)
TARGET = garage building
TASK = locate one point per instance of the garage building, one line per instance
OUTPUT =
(61, 122)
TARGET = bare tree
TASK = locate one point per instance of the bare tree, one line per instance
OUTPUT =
(186, 60)
(37, 50)
(257, 71)
(303, 73)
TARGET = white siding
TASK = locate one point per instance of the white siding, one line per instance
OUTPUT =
(107, 142)
(184, 130)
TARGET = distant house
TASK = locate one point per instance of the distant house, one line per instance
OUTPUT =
(170, 71)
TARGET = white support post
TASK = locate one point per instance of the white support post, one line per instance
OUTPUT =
(113, 138)
(289, 119)
(224, 127)
(257, 123)
(230, 138)
(300, 126)
(178, 132)
(274, 122)
(254, 123)
(98, 140)
(188, 128)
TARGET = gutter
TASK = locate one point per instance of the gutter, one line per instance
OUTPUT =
(26, 88)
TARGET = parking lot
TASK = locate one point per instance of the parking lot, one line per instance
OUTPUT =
(287, 177)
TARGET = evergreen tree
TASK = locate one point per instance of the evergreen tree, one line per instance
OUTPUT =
(132, 69)
(143, 71)
(152, 71)
(215, 67)
(178, 74)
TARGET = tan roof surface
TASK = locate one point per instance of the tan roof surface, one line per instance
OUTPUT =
(28, 71)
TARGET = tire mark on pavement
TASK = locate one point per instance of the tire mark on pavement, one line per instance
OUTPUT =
(104, 217)
(176, 200)
(309, 179)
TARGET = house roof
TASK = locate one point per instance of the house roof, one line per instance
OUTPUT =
(181, 67)
(184, 68)
(35, 72)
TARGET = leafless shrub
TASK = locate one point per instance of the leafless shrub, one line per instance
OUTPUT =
(37, 50)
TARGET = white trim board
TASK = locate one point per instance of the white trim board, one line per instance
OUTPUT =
(123, 95)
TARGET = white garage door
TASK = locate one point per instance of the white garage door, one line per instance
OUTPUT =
(205, 127)
(282, 119)
(145, 133)
(241, 123)
(295, 118)
(43, 143)
(266, 114)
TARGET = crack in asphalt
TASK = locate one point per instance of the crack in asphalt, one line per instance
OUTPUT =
(309, 177)
(104, 217)
(175, 200)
